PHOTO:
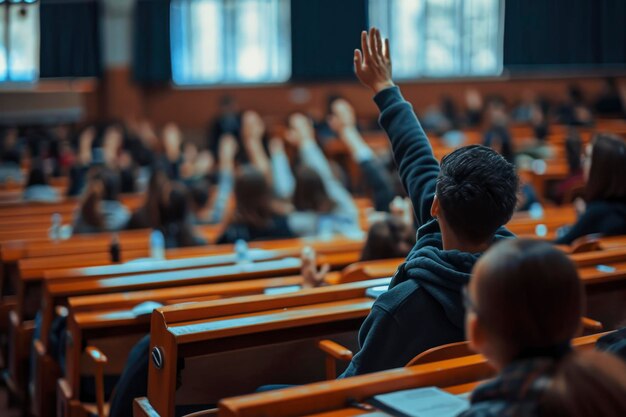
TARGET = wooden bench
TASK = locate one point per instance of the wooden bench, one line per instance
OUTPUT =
(340, 398)
(89, 324)
(58, 291)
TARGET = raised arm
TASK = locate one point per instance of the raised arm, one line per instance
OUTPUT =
(283, 180)
(343, 122)
(252, 131)
(227, 152)
(412, 152)
(301, 134)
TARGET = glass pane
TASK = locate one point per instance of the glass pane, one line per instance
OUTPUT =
(196, 35)
(23, 42)
(4, 66)
(258, 32)
(441, 37)
(230, 41)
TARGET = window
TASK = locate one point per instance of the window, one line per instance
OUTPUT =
(442, 38)
(230, 41)
(19, 40)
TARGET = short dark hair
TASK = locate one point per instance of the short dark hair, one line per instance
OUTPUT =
(477, 192)
(607, 176)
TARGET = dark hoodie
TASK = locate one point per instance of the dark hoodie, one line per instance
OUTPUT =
(423, 307)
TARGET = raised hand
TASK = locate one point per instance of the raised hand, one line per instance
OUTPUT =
(85, 142)
(402, 209)
(342, 116)
(372, 65)
(252, 126)
(172, 140)
(228, 147)
(312, 276)
(300, 129)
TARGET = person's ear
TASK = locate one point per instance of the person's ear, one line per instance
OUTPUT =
(434, 208)
(475, 333)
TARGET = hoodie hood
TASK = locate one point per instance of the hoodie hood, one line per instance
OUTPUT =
(441, 273)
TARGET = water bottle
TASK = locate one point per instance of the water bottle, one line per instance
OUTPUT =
(55, 229)
(157, 245)
(241, 252)
(114, 249)
(535, 211)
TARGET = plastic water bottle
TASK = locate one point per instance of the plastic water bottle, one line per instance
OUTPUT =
(157, 245)
(114, 249)
(55, 229)
(241, 252)
(535, 211)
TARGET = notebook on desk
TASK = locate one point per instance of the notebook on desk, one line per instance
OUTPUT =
(420, 402)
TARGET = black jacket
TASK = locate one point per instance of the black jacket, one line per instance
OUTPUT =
(602, 217)
(423, 307)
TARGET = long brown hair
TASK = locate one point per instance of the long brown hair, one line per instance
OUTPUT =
(607, 175)
(102, 184)
(586, 384)
(254, 198)
(310, 193)
(152, 206)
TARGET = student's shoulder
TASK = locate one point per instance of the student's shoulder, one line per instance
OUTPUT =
(393, 300)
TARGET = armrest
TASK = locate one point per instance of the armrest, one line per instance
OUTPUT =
(334, 351)
(590, 324)
(99, 359)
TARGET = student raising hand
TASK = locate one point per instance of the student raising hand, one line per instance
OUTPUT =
(300, 130)
(372, 65)
(312, 276)
(342, 116)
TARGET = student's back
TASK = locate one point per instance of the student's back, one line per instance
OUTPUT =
(459, 209)
(255, 217)
(605, 191)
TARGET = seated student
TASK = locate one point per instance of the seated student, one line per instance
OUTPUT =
(37, 187)
(605, 192)
(574, 111)
(176, 223)
(573, 152)
(515, 321)
(148, 216)
(100, 210)
(214, 213)
(78, 171)
(460, 208)
(256, 215)
(321, 203)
